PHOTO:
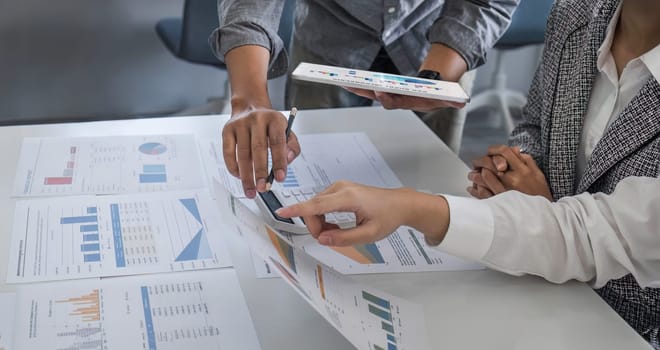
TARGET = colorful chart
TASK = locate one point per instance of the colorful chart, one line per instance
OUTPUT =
(153, 148)
(362, 253)
(381, 310)
(89, 229)
(283, 249)
(199, 247)
(67, 172)
(153, 173)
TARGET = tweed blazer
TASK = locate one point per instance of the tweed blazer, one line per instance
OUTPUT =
(630, 146)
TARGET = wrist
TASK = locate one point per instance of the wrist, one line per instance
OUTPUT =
(446, 61)
(242, 104)
(428, 214)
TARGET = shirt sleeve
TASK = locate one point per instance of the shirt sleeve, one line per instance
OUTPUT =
(589, 237)
(251, 22)
(472, 27)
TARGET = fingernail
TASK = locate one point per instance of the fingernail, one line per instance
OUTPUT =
(261, 185)
(280, 211)
(280, 175)
(290, 156)
(325, 240)
(250, 193)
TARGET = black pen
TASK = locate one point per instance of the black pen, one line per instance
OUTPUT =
(292, 116)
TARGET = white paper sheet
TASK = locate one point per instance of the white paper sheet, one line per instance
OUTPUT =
(262, 269)
(95, 236)
(324, 159)
(191, 310)
(108, 165)
(368, 318)
(7, 305)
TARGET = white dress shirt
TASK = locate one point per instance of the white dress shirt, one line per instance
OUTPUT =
(588, 237)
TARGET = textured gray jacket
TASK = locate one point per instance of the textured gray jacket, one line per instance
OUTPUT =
(630, 146)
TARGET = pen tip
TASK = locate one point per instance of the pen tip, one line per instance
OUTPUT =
(268, 186)
(294, 110)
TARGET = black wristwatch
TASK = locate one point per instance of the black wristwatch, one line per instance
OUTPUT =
(429, 74)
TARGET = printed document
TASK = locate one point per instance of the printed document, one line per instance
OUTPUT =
(108, 165)
(191, 310)
(95, 236)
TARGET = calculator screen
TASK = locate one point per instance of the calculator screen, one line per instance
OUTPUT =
(273, 204)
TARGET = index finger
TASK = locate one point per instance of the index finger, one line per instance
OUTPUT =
(319, 205)
(512, 158)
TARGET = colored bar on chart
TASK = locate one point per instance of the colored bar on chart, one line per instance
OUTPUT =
(78, 219)
(153, 178)
(92, 257)
(67, 172)
(376, 300)
(89, 228)
(94, 237)
(154, 168)
(319, 273)
(391, 346)
(391, 338)
(376, 347)
(116, 235)
(90, 247)
(149, 324)
(58, 180)
(387, 327)
(70, 164)
(72, 150)
(91, 210)
(380, 313)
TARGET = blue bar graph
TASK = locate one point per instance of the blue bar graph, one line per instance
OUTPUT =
(391, 346)
(89, 228)
(153, 178)
(92, 257)
(91, 210)
(78, 219)
(91, 237)
(90, 247)
(149, 324)
(291, 180)
(391, 338)
(154, 168)
(116, 235)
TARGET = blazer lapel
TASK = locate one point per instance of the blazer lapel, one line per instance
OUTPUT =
(636, 125)
(576, 76)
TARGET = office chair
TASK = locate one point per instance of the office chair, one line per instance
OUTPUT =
(187, 37)
(527, 28)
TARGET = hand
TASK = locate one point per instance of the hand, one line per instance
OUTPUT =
(484, 176)
(246, 138)
(523, 173)
(396, 101)
(379, 212)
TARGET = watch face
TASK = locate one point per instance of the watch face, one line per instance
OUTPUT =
(429, 74)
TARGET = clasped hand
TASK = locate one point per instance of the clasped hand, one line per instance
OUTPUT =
(506, 168)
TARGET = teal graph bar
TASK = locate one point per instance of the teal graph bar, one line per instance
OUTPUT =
(154, 168)
(89, 228)
(376, 300)
(90, 247)
(78, 219)
(387, 327)
(380, 313)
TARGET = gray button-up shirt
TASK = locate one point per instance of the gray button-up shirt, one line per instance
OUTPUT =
(350, 33)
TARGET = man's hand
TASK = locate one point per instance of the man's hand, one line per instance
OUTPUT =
(379, 212)
(396, 101)
(246, 139)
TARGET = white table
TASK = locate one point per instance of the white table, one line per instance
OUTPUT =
(463, 310)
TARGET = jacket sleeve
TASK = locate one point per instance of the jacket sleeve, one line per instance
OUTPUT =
(251, 22)
(471, 27)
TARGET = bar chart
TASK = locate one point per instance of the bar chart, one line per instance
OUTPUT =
(67, 174)
(380, 312)
(77, 321)
(153, 173)
(88, 227)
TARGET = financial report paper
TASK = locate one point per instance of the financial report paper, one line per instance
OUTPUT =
(95, 236)
(324, 159)
(191, 310)
(7, 303)
(107, 165)
(369, 318)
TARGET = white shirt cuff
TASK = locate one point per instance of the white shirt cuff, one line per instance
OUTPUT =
(471, 228)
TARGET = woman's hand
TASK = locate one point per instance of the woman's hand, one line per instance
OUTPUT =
(523, 174)
(379, 212)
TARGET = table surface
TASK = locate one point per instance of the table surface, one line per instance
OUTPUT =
(463, 310)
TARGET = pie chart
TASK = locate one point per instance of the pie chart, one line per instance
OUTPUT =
(152, 148)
